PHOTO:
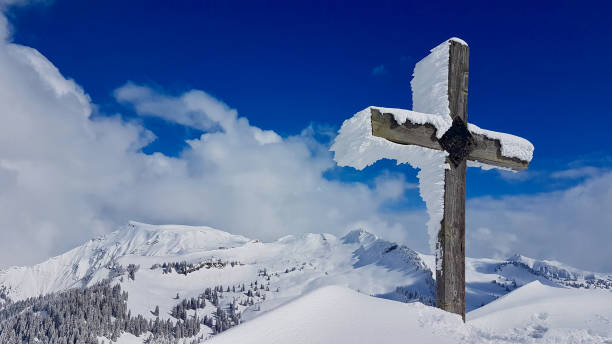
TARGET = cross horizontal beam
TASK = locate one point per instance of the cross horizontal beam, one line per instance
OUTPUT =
(486, 150)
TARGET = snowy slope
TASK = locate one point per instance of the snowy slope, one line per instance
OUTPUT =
(534, 313)
(547, 314)
(336, 314)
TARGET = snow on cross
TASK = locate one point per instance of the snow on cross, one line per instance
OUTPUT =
(436, 139)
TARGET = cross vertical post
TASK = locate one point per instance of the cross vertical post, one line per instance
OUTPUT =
(450, 271)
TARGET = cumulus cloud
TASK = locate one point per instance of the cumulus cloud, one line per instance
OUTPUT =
(497, 244)
(56, 163)
(572, 226)
(67, 175)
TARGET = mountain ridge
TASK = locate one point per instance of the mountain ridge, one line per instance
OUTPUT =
(94, 260)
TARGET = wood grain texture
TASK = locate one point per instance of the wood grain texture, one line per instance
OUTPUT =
(385, 126)
(450, 279)
(488, 151)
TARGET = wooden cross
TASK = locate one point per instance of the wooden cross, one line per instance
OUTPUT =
(461, 145)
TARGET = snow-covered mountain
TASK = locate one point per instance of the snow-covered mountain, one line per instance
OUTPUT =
(359, 260)
(158, 266)
(95, 259)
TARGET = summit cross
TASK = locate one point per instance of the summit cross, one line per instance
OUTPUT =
(460, 142)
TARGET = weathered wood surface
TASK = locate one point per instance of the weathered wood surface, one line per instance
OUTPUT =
(487, 150)
(450, 280)
(385, 126)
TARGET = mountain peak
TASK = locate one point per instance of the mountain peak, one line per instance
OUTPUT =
(516, 258)
(359, 236)
(159, 240)
(145, 227)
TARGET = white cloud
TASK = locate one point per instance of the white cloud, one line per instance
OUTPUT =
(517, 177)
(579, 172)
(252, 181)
(498, 244)
(67, 176)
(572, 226)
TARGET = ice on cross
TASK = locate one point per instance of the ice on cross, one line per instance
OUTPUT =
(436, 139)
(357, 147)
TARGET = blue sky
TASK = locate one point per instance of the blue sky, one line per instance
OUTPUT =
(537, 70)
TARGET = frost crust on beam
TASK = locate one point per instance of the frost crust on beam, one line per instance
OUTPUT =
(401, 116)
(511, 146)
(355, 146)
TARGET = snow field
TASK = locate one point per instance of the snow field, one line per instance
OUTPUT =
(534, 313)
(336, 314)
